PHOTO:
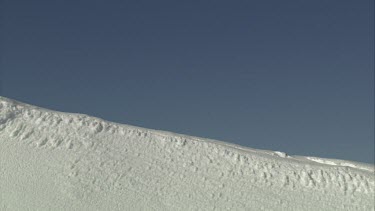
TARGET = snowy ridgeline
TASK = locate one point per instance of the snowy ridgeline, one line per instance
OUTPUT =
(59, 161)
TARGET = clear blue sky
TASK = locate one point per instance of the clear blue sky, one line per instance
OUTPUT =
(294, 76)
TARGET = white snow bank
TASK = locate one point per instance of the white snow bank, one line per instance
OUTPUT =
(59, 161)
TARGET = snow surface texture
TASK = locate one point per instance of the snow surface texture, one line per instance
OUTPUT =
(59, 161)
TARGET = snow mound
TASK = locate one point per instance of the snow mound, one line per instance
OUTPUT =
(60, 161)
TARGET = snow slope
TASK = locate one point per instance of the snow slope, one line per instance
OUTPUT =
(60, 161)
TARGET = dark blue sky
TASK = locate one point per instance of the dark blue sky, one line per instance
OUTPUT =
(294, 76)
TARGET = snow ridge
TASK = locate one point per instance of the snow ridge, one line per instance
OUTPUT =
(81, 162)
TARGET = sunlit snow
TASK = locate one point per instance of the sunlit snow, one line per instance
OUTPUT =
(60, 161)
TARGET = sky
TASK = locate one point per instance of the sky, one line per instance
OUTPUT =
(294, 76)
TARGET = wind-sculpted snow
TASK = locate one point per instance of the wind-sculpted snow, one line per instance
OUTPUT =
(58, 161)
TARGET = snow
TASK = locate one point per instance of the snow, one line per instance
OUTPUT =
(51, 160)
